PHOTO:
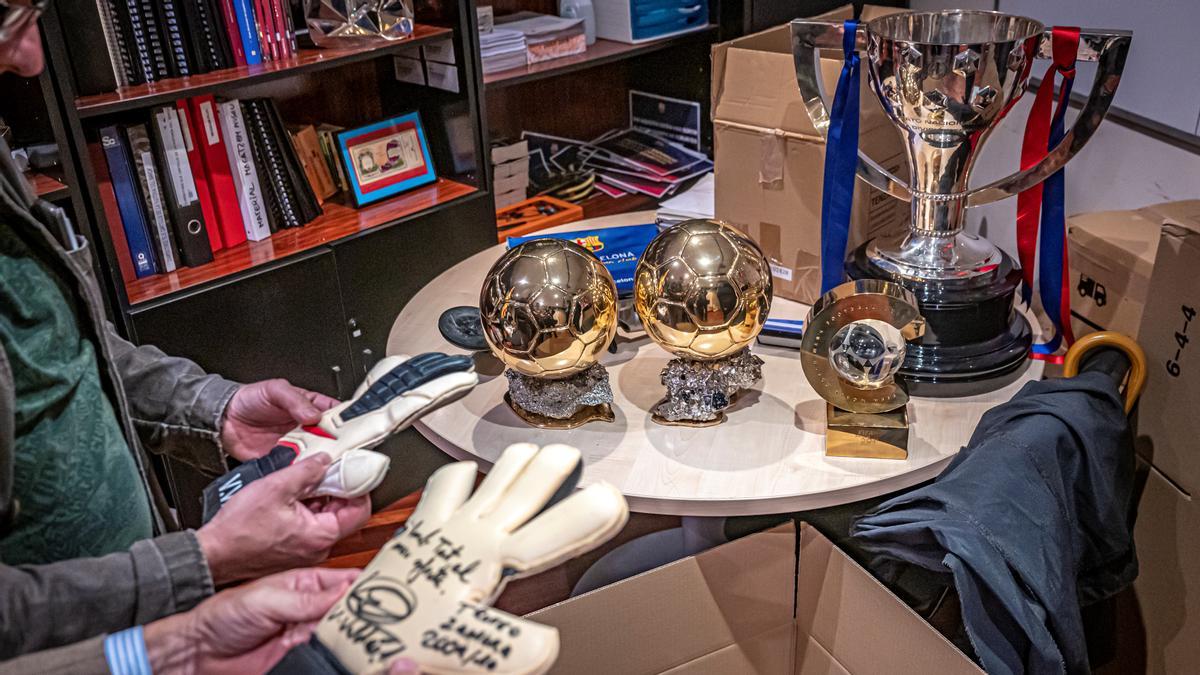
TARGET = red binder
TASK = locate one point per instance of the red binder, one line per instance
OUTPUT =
(200, 176)
(235, 35)
(206, 132)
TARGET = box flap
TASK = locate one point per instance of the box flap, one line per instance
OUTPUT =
(1129, 239)
(844, 611)
(754, 80)
(680, 612)
(1183, 214)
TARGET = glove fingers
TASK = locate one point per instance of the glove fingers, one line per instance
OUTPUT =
(384, 365)
(355, 474)
(421, 376)
(445, 491)
(504, 472)
(575, 525)
(536, 484)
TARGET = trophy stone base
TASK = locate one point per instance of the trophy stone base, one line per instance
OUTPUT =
(871, 435)
(975, 341)
(698, 392)
(565, 403)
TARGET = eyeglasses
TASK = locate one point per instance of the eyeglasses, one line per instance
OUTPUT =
(17, 15)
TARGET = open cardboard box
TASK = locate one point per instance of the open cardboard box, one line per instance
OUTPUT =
(755, 605)
(770, 159)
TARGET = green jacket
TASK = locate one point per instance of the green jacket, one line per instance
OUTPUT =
(164, 405)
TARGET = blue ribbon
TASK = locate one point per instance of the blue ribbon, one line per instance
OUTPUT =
(841, 162)
(1052, 236)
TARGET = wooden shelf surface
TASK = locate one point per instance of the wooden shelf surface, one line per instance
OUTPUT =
(603, 51)
(46, 187)
(339, 221)
(306, 60)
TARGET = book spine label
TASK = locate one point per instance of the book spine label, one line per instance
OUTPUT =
(129, 204)
(199, 177)
(157, 219)
(248, 29)
(245, 178)
(187, 217)
(203, 110)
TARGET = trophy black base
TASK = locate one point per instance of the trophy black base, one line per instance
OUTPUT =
(975, 341)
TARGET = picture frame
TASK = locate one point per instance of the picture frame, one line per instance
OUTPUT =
(386, 158)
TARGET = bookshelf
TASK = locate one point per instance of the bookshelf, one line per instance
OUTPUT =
(306, 61)
(313, 304)
(46, 186)
(337, 222)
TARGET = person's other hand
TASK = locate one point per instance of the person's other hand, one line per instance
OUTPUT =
(246, 629)
(272, 525)
(259, 413)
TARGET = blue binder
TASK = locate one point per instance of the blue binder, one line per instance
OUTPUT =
(248, 27)
(129, 203)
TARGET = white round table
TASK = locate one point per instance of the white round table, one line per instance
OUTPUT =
(767, 458)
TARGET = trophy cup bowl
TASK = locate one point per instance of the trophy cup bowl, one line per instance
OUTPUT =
(946, 80)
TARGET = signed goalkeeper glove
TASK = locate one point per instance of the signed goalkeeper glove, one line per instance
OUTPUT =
(425, 596)
(396, 392)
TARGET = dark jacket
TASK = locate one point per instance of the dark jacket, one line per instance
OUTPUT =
(164, 405)
(1030, 521)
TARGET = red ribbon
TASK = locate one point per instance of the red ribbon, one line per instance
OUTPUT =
(1034, 148)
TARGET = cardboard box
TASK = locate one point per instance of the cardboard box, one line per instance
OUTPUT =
(1112, 256)
(747, 607)
(1170, 335)
(442, 76)
(439, 51)
(1158, 629)
(515, 167)
(770, 160)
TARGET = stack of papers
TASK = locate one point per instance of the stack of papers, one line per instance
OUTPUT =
(697, 202)
(624, 161)
(547, 37)
(502, 49)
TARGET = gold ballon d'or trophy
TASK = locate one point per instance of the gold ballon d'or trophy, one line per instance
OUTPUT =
(853, 345)
(549, 309)
(703, 290)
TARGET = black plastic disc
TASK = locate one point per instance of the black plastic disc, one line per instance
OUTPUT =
(462, 327)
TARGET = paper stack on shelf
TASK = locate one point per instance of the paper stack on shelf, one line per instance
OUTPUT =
(510, 172)
(623, 161)
(695, 203)
(502, 49)
(546, 37)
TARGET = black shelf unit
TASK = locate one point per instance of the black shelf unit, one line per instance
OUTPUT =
(316, 305)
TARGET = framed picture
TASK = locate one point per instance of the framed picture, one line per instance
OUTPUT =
(386, 158)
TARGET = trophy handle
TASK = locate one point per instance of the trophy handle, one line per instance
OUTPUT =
(1107, 47)
(809, 35)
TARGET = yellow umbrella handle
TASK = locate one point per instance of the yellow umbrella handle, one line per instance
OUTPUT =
(1137, 360)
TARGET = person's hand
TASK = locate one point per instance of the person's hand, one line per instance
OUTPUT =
(246, 629)
(273, 524)
(259, 413)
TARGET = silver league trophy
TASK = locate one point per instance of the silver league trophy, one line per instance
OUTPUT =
(946, 80)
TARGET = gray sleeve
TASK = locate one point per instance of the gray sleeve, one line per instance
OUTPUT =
(46, 606)
(176, 407)
(81, 658)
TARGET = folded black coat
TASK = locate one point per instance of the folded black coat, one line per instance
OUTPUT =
(1031, 520)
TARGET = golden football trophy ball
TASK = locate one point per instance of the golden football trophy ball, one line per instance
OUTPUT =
(549, 309)
(703, 291)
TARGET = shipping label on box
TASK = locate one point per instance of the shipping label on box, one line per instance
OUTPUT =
(1169, 415)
